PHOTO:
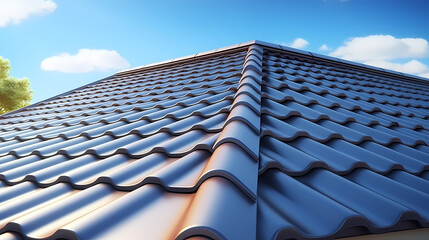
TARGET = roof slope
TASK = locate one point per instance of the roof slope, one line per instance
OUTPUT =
(253, 141)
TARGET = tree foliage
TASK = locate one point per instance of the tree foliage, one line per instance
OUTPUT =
(14, 93)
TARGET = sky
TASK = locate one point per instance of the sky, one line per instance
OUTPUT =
(60, 45)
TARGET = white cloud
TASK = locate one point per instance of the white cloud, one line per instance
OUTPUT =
(299, 43)
(14, 11)
(383, 50)
(324, 47)
(425, 75)
(382, 47)
(86, 60)
(412, 67)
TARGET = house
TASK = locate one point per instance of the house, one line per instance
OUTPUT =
(252, 141)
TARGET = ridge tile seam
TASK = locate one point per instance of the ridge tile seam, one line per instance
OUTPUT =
(249, 143)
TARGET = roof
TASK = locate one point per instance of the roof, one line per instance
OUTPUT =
(253, 141)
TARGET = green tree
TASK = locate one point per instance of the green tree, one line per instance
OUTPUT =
(14, 93)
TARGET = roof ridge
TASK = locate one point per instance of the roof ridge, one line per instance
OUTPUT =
(245, 132)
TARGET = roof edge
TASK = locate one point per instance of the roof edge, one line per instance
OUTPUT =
(295, 51)
(53, 97)
(343, 62)
(189, 57)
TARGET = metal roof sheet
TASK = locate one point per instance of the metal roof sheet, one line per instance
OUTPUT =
(252, 141)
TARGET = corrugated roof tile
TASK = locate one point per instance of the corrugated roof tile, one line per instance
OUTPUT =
(251, 141)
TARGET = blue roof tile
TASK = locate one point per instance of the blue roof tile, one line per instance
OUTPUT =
(251, 141)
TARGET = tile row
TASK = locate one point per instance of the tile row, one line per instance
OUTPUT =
(176, 123)
(337, 73)
(149, 81)
(137, 97)
(299, 156)
(325, 130)
(179, 107)
(324, 205)
(175, 174)
(101, 212)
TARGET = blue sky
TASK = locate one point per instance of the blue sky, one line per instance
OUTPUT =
(61, 44)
